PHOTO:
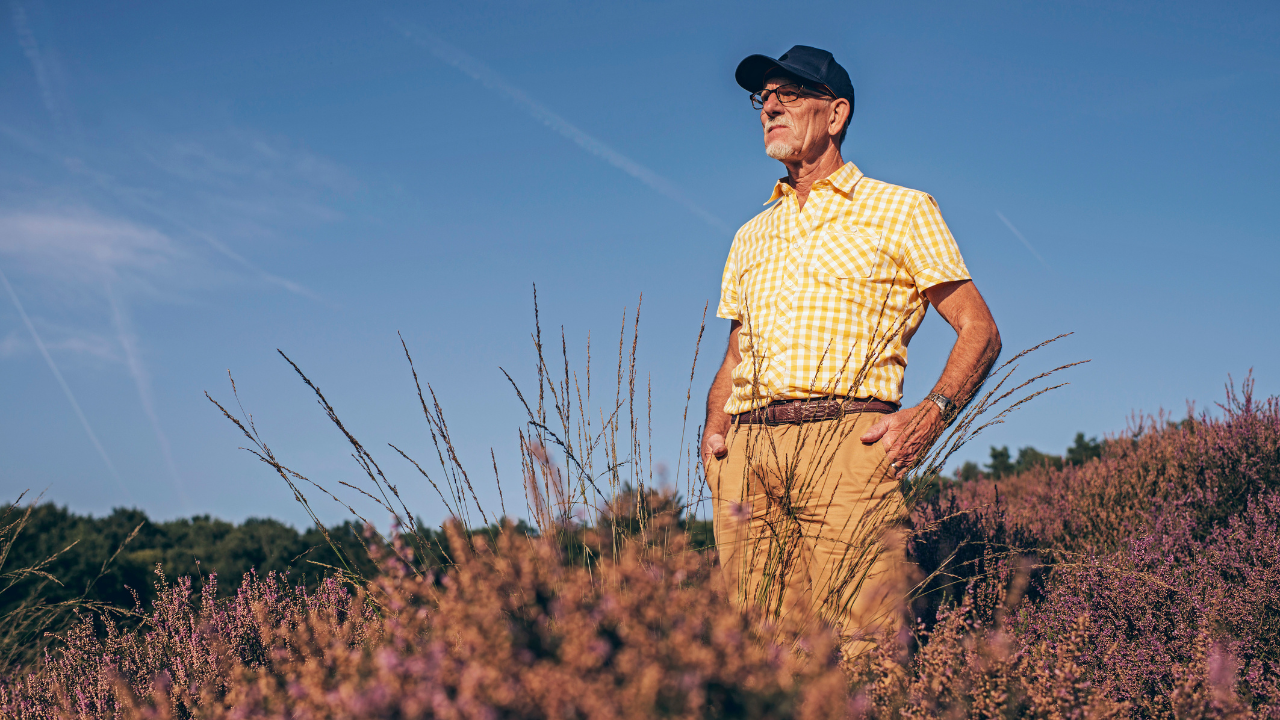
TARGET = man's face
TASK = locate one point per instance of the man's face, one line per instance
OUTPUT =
(797, 130)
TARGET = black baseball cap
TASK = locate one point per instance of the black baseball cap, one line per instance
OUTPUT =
(806, 63)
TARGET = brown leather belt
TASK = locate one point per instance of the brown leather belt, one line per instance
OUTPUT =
(801, 411)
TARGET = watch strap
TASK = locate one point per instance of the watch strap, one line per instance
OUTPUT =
(942, 401)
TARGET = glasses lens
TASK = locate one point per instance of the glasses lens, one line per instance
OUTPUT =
(788, 94)
(757, 102)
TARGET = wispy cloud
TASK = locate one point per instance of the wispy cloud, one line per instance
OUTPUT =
(75, 341)
(1018, 235)
(215, 243)
(237, 160)
(79, 245)
(66, 389)
(140, 199)
(477, 70)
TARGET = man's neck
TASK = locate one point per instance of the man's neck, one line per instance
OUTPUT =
(803, 174)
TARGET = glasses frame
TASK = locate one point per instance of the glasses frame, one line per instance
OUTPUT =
(761, 97)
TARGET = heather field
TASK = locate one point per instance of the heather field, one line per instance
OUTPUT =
(1137, 580)
(324, 392)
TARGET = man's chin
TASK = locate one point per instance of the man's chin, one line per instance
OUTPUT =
(780, 150)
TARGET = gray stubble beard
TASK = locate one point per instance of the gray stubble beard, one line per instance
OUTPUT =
(780, 150)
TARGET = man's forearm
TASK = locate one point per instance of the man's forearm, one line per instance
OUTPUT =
(718, 421)
(911, 431)
(977, 339)
(976, 349)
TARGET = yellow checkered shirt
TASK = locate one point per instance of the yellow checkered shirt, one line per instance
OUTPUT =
(830, 295)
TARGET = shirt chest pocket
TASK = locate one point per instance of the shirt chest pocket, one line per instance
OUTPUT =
(846, 254)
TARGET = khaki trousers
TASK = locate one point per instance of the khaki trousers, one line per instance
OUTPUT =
(807, 524)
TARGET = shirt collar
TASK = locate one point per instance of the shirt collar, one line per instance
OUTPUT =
(842, 179)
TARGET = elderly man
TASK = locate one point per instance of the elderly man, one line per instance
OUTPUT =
(805, 441)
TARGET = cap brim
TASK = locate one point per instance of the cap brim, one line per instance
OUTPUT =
(751, 72)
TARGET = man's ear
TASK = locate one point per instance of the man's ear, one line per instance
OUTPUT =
(839, 112)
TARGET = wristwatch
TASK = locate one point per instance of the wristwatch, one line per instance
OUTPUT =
(942, 401)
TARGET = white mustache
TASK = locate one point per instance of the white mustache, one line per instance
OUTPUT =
(780, 121)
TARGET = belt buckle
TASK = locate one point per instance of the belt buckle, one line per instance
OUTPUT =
(797, 412)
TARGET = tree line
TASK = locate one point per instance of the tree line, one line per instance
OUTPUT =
(1003, 464)
(83, 557)
(119, 559)
(138, 547)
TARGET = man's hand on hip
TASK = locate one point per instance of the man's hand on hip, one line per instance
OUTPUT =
(713, 446)
(906, 434)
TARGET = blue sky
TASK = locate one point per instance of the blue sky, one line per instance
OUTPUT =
(185, 188)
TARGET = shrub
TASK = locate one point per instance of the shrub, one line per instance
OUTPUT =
(1209, 467)
(509, 631)
(1159, 604)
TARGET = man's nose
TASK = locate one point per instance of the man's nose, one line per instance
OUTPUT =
(773, 106)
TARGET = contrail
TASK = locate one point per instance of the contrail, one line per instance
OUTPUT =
(492, 80)
(129, 341)
(31, 49)
(1024, 240)
(93, 438)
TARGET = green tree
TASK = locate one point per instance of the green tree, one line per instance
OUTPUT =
(1000, 464)
(1083, 450)
(191, 546)
(968, 472)
(1030, 458)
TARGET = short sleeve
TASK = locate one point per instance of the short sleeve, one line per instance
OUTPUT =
(728, 307)
(932, 254)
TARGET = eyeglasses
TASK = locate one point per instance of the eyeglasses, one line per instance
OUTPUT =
(787, 94)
